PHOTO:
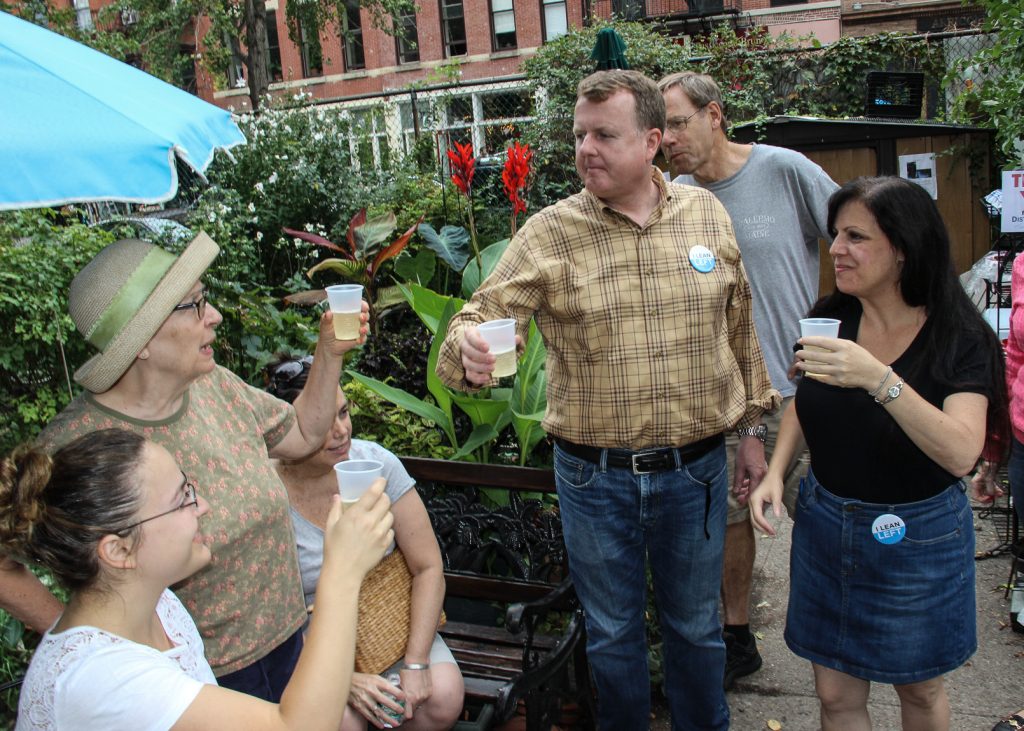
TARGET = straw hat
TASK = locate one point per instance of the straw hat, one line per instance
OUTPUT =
(122, 297)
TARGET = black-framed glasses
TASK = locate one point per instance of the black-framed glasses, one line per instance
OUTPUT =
(199, 304)
(679, 124)
(188, 501)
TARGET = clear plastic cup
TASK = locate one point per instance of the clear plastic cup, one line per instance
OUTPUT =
(818, 327)
(355, 477)
(346, 301)
(500, 336)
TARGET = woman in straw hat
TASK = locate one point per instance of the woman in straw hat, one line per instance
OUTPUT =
(146, 311)
(117, 521)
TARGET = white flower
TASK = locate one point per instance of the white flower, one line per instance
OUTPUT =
(251, 207)
(211, 217)
(259, 236)
(273, 178)
(259, 189)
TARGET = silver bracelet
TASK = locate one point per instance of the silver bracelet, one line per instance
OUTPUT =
(416, 666)
(874, 394)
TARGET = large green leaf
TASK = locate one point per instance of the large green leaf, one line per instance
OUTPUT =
(529, 401)
(484, 409)
(417, 268)
(371, 235)
(451, 244)
(489, 258)
(388, 297)
(479, 437)
(441, 393)
(354, 271)
(428, 304)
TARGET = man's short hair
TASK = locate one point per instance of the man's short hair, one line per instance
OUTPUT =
(700, 89)
(650, 105)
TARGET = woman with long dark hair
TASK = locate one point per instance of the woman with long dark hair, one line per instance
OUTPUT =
(894, 412)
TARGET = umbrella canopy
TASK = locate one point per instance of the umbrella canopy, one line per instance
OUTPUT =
(79, 126)
(609, 50)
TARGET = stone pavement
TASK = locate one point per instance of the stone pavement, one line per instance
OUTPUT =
(988, 686)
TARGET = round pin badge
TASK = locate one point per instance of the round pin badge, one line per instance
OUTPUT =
(889, 528)
(702, 259)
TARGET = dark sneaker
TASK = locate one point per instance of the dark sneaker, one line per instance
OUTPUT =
(741, 658)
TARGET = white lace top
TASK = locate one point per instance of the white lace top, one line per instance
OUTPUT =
(85, 678)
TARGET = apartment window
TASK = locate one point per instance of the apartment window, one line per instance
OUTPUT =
(312, 53)
(554, 19)
(629, 9)
(187, 77)
(83, 16)
(780, 3)
(236, 66)
(453, 27)
(503, 25)
(407, 41)
(352, 40)
(274, 47)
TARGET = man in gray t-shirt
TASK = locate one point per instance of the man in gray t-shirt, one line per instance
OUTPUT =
(777, 200)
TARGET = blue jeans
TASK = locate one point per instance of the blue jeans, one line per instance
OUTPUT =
(267, 677)
(614, 521)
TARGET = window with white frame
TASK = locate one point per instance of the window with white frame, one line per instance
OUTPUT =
(555, 22)
(503, 25)
(453, 28)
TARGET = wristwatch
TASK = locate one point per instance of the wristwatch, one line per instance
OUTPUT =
(760, 431)
(891, 394)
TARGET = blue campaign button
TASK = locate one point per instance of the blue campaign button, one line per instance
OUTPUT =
(702, 259)
(889, 528)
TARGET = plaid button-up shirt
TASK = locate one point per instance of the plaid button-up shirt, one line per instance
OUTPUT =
(643, 349)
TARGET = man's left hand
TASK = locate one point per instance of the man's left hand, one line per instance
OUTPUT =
(750, 467)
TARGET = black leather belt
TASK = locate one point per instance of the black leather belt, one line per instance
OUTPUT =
(645, 461)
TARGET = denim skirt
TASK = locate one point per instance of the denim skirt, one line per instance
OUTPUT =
(892, 612)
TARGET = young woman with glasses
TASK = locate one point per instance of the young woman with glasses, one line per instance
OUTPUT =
(431, 684)
(117, 522)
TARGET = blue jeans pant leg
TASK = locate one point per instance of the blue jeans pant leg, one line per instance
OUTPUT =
(600, 512)
(686, 566)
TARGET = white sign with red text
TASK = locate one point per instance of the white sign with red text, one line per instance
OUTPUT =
(1013, 201)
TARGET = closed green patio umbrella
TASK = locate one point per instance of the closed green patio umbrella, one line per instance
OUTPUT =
(609, 50)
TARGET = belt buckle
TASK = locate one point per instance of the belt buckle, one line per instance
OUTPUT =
(637, 470)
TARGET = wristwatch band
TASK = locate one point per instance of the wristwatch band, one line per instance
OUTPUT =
(760, 431)
(891, 394)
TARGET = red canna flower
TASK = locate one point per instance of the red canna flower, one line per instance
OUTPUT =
(462, 163)
(515, 175)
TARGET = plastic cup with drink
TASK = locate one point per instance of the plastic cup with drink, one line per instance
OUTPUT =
(355, 477)
(826, 327)
(346, 301)
(500, 336)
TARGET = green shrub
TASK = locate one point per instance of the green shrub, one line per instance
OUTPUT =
(39, 256)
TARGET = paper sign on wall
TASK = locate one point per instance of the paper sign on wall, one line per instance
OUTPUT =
(1013, 201)
(920, 169)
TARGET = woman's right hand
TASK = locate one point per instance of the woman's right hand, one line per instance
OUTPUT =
(362, 532)
(368, 691)
(769, 491)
